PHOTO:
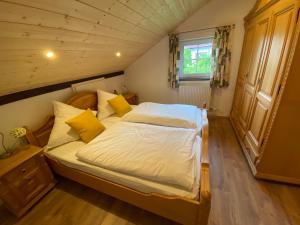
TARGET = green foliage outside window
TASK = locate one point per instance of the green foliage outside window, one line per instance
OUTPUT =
(196, 62)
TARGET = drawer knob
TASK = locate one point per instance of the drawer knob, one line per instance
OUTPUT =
(23, 170)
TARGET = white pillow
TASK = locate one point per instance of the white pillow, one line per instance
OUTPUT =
(104, 109)
(61, 132)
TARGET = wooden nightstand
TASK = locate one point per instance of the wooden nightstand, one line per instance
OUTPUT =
(131, 98)
(24, 178)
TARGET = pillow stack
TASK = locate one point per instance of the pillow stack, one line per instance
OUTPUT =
(61, 132)
(104, 109)
(119, 105)
(108, 104)
(72, 124)
(86, 125)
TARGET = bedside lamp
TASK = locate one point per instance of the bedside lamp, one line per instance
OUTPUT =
(5, 153)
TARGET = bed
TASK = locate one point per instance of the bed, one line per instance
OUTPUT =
(185, 207)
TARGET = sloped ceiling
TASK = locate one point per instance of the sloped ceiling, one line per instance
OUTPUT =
(83, 34)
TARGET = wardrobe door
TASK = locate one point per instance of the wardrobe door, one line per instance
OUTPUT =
(283, 22)
(243, 70)
(251, 77)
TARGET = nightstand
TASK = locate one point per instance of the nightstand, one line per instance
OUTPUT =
(24, 179)
(131, 98)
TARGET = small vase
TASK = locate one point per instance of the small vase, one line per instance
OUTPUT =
(23, 143)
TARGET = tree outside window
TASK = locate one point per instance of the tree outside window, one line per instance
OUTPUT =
(196, 60)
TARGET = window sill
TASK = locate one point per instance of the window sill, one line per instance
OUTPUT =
(194, 79)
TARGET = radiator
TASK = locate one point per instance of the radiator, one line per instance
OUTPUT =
(195, 93)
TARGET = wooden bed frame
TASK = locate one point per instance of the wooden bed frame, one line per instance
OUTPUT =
(179, 209)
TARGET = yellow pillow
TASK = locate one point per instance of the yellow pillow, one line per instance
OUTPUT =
(119, 105)
(86, 125)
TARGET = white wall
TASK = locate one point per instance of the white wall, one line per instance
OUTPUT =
(148, 75)
(33, 111)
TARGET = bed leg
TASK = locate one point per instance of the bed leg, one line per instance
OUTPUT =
(204, 215)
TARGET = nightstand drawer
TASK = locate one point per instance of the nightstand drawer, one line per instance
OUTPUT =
(22, 170)
(25, 178)
(29, 186)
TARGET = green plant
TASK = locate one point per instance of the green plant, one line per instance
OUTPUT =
(201, 64)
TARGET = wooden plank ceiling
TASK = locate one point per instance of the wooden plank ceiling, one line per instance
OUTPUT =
(83, 34)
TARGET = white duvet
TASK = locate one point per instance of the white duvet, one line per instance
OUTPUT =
(172, 115)
(156, 153)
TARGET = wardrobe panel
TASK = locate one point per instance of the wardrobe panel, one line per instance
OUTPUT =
(259, 39)
(281, 26)
(258, 44)
(238, 93)
(243, 71)
(258, 119)
(247, 52)
(246, 101)
(280, 34)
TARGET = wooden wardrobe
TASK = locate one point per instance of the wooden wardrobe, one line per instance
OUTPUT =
(266, 109)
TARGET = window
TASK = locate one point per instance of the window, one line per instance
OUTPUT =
(196, 59)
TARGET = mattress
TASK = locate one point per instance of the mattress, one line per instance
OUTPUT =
(66, 154)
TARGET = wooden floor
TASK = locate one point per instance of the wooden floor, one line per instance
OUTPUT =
(237, 198)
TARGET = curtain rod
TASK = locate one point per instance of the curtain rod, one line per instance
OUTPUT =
(207, 28)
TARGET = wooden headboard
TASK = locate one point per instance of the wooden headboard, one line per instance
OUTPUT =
(82, 100)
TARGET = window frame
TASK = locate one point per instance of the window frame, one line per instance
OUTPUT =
(194, 76)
